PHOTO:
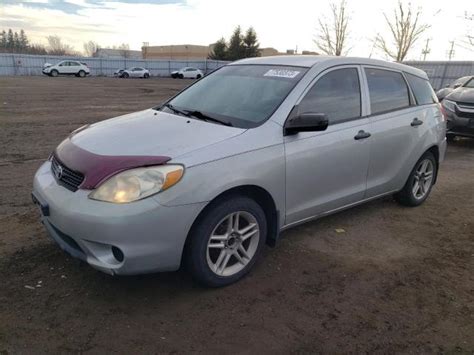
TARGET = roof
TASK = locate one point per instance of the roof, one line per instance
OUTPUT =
(312, 60)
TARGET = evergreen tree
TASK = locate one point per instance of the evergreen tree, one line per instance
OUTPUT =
(251, 44)
(236, 49)
(3, 40)
(16, 42)
(24, 43)
(220, 50)
(10, 40)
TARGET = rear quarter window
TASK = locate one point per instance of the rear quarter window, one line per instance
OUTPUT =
(422, 90)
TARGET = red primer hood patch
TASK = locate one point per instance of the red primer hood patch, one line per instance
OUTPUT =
(97, 168)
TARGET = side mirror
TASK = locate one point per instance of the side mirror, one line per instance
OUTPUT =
(306, 122)
(456, 86)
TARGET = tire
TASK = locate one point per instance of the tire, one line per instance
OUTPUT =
(54, 73)
(146, 75)
(81, 74)
(181, 76)
(198, 76)
(219, 265)
(410, 195)
(125, 75)
(450, 137)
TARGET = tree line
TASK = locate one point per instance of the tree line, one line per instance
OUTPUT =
(239, 46)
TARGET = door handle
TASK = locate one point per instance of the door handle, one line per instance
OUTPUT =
(416, 122)
(362, 135)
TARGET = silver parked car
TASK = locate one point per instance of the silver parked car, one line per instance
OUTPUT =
(219, 170)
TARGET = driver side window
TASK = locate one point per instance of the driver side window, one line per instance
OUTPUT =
(336, 94)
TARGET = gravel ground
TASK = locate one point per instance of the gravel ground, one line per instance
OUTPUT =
(397, 280)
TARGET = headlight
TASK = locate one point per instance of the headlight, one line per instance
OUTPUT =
(136, 184)
(450, 105)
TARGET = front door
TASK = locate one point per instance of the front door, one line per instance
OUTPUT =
(328, 170)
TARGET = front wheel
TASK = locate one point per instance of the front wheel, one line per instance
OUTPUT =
(125, 75)
(419, 183)
(54, 73)
(227, 241)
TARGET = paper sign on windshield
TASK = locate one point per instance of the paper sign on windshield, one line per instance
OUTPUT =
(282, 73)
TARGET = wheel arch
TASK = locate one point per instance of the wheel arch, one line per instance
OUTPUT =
(259, 195)
(434, 149)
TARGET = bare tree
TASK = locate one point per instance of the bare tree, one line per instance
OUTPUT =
(57, 47)
(91, 48)
(405, 29)
(332, 36)
(124, 50)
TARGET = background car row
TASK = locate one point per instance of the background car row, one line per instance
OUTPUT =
(457, 100)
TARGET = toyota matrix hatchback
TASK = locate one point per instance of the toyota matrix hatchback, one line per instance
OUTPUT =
(218, 171)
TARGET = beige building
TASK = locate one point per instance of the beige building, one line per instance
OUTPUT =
(197, 52)
(178, 51)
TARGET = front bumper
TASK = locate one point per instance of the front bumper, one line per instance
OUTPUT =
(123, 239)
(460, 126)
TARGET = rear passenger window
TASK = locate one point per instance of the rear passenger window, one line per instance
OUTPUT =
(388, 90)
(336, 94)
(422, 90)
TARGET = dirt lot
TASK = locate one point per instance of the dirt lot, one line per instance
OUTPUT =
(398, 279)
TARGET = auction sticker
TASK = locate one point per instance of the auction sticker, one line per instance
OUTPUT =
(282, 73)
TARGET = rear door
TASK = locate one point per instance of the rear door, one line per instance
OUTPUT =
(397, 126)
(328, 170)
(74, 67)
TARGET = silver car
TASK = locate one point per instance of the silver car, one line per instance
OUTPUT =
(218, 171)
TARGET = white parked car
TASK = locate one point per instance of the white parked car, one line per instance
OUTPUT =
(187, 72)
(66, 67)
(136, 72)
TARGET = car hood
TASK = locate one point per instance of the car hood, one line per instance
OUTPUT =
(462, 95)
(151, 133)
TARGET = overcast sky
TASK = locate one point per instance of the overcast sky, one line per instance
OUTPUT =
(279, 24)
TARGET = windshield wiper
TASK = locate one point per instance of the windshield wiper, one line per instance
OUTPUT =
(177, 110)
(203, 116)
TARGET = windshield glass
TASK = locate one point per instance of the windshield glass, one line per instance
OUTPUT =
(470, 84)
(242, 95)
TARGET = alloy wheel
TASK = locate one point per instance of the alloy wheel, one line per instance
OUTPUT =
(423, 179)
(233, 243)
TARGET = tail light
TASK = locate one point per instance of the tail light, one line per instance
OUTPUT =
(443, 112)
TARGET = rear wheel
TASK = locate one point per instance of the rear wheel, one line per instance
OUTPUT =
(198, 76)
(81, 73)
(227, 241)
(54, 73)
(146, 75)
(419, 183)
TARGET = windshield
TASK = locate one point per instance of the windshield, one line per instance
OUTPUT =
(241, 95)
(470, 84)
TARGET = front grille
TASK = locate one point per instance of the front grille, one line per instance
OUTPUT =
(64, 176)
(466, 104)
(465, 114)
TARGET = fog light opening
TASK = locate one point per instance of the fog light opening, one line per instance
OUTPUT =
(118, 254)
